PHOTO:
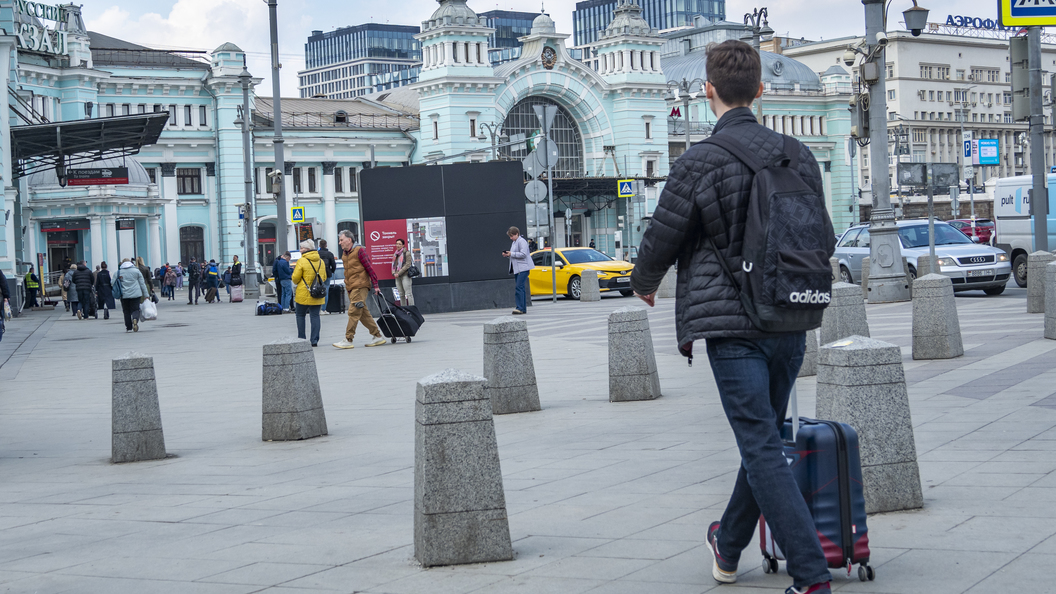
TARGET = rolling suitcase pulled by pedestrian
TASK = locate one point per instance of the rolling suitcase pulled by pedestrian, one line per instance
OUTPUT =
(398, 321)
(236, 294)
(211, 295)
(824, 460)
(335, 299)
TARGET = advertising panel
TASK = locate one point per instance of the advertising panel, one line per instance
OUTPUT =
(99, 176)
(988, 152)
(380, 243)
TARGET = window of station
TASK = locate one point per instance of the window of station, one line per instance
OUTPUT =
(188, 181)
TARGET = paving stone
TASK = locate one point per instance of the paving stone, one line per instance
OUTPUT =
(459, 502)
(845, 315)
(1036, 264)
(632, 362)
(292, 402)
(852, 389)
(669, 285)
(135, 417)
(936, 328)
(589, 290)
(509, 368)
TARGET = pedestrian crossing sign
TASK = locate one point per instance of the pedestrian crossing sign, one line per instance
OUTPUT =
(297, 214)
(625, 188)
(1025, 13)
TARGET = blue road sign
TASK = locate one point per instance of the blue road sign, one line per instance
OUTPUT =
(967, 149)
(297, 214)
(625, 188)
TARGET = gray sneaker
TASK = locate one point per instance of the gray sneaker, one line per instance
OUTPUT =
(722, 571)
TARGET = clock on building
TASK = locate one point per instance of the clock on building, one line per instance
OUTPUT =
(549, 58)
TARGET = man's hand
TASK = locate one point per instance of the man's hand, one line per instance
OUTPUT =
(649, 299)
(377, 290)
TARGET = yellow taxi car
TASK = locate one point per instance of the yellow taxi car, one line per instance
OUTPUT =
(613, 275)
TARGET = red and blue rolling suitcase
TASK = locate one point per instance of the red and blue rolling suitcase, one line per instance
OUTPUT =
(824, 460)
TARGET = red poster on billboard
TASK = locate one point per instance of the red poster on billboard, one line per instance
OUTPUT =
(380, 242)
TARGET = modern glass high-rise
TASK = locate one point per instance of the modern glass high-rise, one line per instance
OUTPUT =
(591, 17)
(509, 26)
(353, 61)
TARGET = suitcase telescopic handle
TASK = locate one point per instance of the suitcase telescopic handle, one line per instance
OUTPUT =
(794, 409)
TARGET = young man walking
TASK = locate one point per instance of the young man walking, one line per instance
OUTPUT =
(359, 279)
(707, 198)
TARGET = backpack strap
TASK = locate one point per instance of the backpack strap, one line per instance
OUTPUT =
(791, 149)
(739, 150)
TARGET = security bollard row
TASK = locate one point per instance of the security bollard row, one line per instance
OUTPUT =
(292, 400)
(589, 290)
(861, 382)
(668, 285)
(508, 367)
(810, 355)
(1050, 300)
(1036, 264)
(459, 501)
(135, 416)
(845, 315)
(936, 328)
(632, 362)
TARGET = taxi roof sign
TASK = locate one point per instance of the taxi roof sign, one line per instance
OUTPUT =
(296, 214)
(1026, 13)
(625, 188)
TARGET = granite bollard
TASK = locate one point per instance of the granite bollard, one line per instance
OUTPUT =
(1050, 300)
(632, 362)
(861, 382)
(669, 285)
(292, 400)
(459, 501)
(508, 367)
(1036, 264)
(135, 416)
(835, 263)
(936, 328)
(845, 315)
(589, 290)
(865, 277)
(810, 355)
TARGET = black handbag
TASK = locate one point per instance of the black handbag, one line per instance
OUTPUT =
(413, 272)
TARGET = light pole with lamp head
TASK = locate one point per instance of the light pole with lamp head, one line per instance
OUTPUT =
(962, 117)
(683, 89)
(250, 277)
(758, 31)
(494, 130)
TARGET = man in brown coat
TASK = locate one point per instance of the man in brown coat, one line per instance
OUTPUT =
(359, 279)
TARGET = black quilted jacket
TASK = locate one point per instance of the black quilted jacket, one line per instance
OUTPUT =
(707, 194)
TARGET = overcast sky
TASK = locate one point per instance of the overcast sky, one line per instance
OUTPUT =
(206, 24)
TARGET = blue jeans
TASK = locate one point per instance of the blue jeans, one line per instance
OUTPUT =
(522, 293)
(287, 294)
(313, 313)
(755, 378)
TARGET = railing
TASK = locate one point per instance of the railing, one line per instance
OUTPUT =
(331, 120)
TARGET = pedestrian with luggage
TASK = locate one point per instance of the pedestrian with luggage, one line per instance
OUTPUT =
(82, 285)
(402, 261)
(70, 295)
(310, 296)
(212, 282)
(104, 290)
(703, 221)
(194, 280)
(32, 283)
(284, 280)
(227, 282)
(236, 274)
(520, 263)
(331, 267)
(133, 291)
(359, 279)
(181, 270)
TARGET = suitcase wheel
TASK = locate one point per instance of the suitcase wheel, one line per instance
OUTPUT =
(393, 339)
(769, 565)
(408, 339)
(866, 573)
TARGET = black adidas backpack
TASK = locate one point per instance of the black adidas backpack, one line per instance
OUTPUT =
(787, 279)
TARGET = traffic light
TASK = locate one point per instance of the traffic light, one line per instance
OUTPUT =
(1017, 57)
(619, 222)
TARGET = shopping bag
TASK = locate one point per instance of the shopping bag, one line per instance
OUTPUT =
(148, 311)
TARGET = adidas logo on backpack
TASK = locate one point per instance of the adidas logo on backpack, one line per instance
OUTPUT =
(785, 279)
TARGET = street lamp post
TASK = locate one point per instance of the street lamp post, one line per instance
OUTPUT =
(887, 277)
(683, 89)
(962, 117)
(281, 243)
(759, 29)
(250, 278)
(493, 130)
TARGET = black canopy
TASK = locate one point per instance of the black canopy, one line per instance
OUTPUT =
(40, 146)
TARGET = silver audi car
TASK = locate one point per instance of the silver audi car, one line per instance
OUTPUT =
(970, 266)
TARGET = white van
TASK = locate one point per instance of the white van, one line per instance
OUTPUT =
(1015, 225)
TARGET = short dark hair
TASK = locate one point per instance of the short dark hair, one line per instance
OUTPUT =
(735, 71)
(513, 231)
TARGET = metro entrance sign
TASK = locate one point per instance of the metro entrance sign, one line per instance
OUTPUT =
(1026, 13)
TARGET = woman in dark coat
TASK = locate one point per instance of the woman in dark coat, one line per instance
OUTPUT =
(104, 291)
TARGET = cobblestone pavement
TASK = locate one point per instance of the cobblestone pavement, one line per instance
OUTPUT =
(604, 498)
